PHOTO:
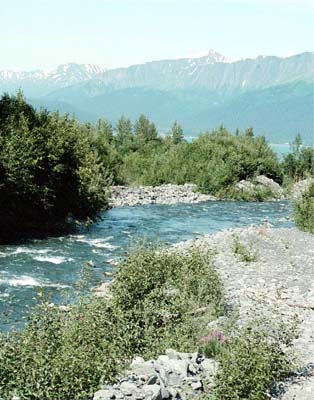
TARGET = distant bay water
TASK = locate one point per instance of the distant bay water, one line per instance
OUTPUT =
(281, 149)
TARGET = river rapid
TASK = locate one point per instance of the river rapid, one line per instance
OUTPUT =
(55, 265)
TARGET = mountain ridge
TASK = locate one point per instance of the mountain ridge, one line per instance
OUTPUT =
(200, 92)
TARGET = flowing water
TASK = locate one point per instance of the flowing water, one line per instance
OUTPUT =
(55, 264)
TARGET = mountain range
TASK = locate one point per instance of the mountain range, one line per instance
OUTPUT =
(272, 94)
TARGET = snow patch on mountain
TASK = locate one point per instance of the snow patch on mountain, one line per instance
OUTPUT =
(63, 74)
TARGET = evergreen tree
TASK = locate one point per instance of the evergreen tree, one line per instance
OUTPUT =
(296, 144)
(104, 129)
(249, 132)
(124, 139)
(145, 131)
(176, 134)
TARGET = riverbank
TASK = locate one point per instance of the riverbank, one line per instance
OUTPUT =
(266, 273)
(260, 188)
(266, 269)
(164, 194)
(175, 299)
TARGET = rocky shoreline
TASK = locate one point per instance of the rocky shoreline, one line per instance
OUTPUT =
(260, 187)
(164, 194)
(278, 276)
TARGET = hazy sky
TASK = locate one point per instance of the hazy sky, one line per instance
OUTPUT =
(111, 33)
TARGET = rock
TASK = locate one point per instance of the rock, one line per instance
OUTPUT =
(153, 392)
(197, 385)
(152, 380)
(300, 187)
(165, 194)
(173, 392)
(136, 361)
(192, 369)
(269, 183)
(209, 366)
(103, 290)
(128, 389)
(145, 368)
(104, 394)
(163, 359)
(260, 184)
(173, 375)
(172, 354)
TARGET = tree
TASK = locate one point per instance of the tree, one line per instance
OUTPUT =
(249, 132)
(13, 107)
(104, 129)
(145, 131)
(124, 139)
(49, 172)
(176, 133)
(296, 144)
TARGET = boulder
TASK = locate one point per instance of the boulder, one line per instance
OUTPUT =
(260, 185)
(209, 366)
(300, 187)
(104, 394)
(152, 392)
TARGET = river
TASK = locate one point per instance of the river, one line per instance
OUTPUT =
(56, 264)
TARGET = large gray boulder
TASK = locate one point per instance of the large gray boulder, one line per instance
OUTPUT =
(260, 186)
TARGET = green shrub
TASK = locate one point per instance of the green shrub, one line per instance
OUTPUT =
(242, 252)
(213, 344)
(304, 210)
(170, 295)
(160, 300)
(253, 361)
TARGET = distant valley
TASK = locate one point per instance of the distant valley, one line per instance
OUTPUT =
(272, 94)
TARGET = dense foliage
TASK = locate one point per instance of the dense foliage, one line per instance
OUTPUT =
(304, 210)
(50, 175)
(299, 163)
(254, 360)
(214, 161)
(159, 300)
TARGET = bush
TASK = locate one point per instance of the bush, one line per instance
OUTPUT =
(253, 361)
(159, 300)
(169, 296)
(304, 210)
(243, 253)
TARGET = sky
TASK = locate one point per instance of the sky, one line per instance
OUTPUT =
(41, 34)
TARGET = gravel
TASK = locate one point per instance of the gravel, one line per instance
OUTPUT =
(282, 277)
